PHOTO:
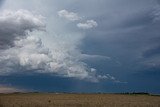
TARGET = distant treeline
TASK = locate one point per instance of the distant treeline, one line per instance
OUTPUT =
(125, 93)
(138, 93)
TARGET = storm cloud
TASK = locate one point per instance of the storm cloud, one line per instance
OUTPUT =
(22, 51)
(14, 25)
(94, 40)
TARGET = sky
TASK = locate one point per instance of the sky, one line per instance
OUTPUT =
(80, 46)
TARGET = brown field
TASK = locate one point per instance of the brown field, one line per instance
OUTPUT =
(78, 100)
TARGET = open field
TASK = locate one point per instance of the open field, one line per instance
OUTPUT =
(78, 100)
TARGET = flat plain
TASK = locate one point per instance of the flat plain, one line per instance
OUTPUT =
(77, 100)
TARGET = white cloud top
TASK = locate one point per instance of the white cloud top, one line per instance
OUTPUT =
(68, 15)
(71, 16)
(87, 25)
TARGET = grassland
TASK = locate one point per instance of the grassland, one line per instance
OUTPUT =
(78, 100)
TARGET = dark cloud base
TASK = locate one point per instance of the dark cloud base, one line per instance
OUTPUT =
(144, 82)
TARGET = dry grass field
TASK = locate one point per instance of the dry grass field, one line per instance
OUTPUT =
(78, 100)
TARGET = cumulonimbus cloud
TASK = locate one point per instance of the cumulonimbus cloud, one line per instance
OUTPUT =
(14, 25)
(29, 54)
(24, 51)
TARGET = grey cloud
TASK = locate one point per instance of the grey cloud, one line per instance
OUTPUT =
(158, 1)
(31, 53)
(156, 13)
(1, 1)
(126, 30)
(152, 52)
(94, 57)
(115, 17)
(14, 25)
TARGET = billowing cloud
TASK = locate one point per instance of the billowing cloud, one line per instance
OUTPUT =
(68, 15)
(87, 25)
(27, 52)
(14, 25)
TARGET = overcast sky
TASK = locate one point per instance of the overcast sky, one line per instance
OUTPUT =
(80, 46)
